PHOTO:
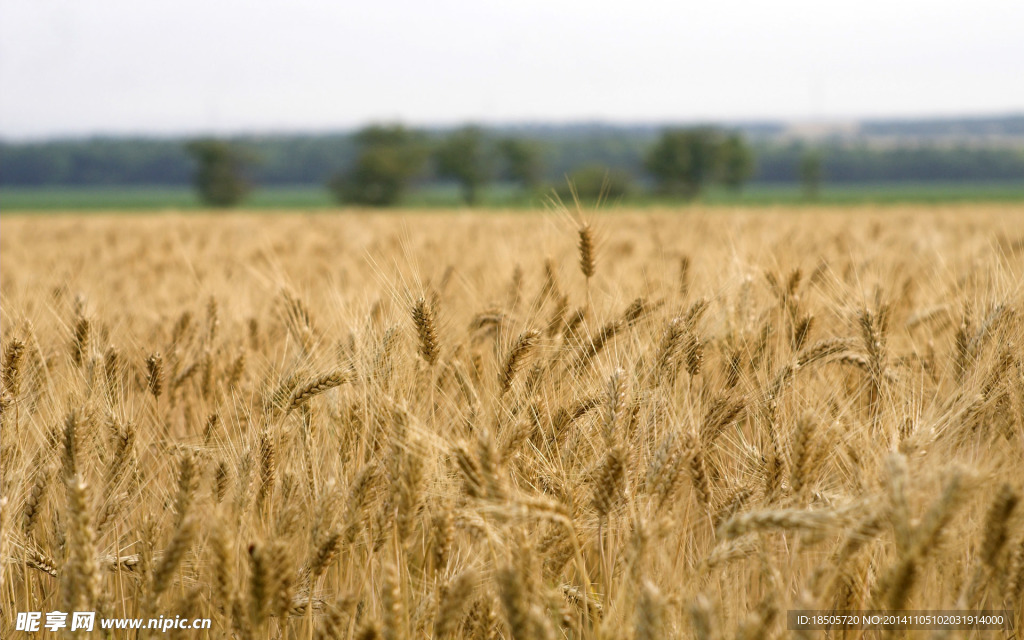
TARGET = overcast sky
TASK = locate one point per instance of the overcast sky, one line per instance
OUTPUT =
(142, 66)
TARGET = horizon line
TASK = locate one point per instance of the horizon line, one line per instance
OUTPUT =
(526, 123)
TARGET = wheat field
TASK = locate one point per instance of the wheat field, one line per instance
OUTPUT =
(564, 424)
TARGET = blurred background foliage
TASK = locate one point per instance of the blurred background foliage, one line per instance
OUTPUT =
(390, 164)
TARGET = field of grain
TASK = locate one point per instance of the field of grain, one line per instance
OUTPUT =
(556, 425)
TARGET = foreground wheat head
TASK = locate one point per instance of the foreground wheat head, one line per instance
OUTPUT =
(499, 427)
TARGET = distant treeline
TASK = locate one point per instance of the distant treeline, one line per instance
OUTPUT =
(946, 127)
(313, 159)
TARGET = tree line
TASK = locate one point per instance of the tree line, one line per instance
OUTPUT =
(388, 158)
(379, 164)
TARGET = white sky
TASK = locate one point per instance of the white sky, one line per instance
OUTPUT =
(146, 66)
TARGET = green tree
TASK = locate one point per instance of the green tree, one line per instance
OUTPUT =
(522, 162)
(463, 156)
(219, 173)
(736, 162)
(596, 182)
(683, 161)
(811, 173)
(388, 158)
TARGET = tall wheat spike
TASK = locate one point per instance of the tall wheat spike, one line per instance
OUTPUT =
(423, 318)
